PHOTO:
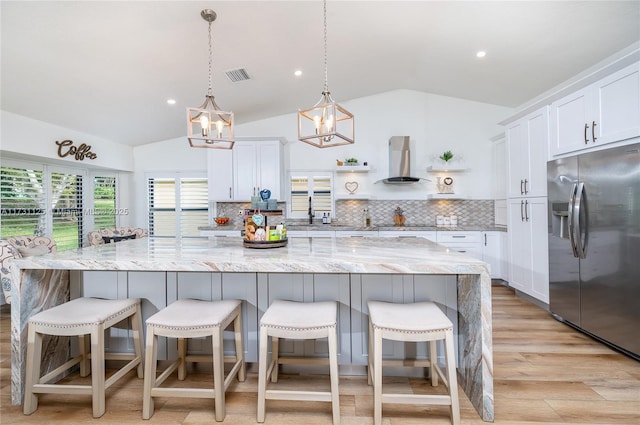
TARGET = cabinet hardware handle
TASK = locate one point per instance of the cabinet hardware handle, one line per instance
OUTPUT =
(458, 236)
(485, 239)
(526, 182)
(521, 190)
(586, 127)
(462, 251)
(521, 211)
(593, 131)
(526, 210)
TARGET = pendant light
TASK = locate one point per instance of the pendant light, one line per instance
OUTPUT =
(207, 125)
(326, 123)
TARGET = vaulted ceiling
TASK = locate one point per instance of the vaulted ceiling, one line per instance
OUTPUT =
(107, 68)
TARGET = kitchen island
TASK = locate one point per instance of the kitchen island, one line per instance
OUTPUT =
(350, 271)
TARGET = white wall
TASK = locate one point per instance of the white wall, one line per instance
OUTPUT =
(25, 137)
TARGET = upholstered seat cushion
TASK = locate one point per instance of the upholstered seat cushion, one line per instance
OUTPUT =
(414, 317)
(114, 234)
(83, 312)
(300, 315)
(190, 314)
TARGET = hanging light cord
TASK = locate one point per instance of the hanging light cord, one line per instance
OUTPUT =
(326, 84)
(210, 91)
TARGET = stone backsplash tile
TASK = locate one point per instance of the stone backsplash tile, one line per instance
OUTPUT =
(417, 212)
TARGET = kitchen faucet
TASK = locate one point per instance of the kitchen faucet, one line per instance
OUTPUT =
(310, 212)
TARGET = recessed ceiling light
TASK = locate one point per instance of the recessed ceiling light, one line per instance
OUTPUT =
(297, 73)
(481, 54)
(171, 101)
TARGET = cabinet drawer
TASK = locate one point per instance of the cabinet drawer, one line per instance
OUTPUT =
(458, 237)
(473, 250)
(321, 233)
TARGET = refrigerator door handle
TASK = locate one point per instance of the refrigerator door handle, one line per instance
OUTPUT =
(580, 247)
(571, 219)
(581, 202)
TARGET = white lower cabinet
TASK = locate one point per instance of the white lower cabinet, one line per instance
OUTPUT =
(399, 289)
(494, 252)
(467, 243)
(427, 234)
(528, 247)
(309, 288)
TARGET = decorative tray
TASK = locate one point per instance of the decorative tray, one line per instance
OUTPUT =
(264, 244)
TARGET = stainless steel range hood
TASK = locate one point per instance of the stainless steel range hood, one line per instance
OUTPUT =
(400, 162)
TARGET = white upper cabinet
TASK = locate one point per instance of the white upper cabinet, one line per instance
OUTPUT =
(604, 112)
(220, 174)
(527, 142)
(240, 173)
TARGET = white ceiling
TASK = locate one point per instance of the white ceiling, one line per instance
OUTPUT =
(106, 68)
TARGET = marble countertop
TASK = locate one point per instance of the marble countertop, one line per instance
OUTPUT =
(301, 255)
(342, 227)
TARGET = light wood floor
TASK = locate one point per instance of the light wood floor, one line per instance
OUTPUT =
(545, 373)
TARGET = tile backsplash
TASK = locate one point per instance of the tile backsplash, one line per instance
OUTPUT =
(417, 212)
(474, 212)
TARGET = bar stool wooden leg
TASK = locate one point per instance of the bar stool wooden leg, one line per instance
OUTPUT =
(218, 374)
(377, 376)
(182, 359)
(333, 371)
(97, 370)
(433, 360)
(137, 332)
(85, 362)
(262, 374)
(151, 363)
(237, 329)
(275, 357)
(34, 360)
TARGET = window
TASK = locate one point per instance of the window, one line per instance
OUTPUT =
(317, 186)
(22, 201)
(104, 202)
(49, 200)
(177, 205)
(66, 209)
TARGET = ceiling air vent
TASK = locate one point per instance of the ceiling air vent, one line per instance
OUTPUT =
(236, 75)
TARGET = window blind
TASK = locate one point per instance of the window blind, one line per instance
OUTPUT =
(67, 209)
(177, 206)
(104, 202)
(319, 188)
(22, 202)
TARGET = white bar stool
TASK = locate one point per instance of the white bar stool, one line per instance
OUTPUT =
(189, 318)
(423, 321)
(81, 317)
(298, 320)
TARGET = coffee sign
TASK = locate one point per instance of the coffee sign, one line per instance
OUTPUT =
(66, 148)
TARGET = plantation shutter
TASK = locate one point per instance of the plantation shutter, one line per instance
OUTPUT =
(194, 206)
(22, 202)
(66, 209)
(318, 187)
(321, 194)
(104, 202)
(177, 206)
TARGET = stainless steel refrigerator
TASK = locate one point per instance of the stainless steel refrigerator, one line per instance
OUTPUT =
(594, 244)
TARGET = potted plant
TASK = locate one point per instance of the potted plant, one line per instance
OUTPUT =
(446, 156)
(351, 161)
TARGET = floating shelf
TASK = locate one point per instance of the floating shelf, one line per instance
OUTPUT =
(355, 196)
(353, 169)
(432, 169)
(446, 196)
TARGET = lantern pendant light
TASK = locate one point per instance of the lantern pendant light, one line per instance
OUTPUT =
(325, 124)
(207, 125)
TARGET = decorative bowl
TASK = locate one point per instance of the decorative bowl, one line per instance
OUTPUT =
(221, 221)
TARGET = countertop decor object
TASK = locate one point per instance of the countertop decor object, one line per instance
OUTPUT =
(398, 217)
(208, 125)
(221, 221)
(326, 123)
(264, 244)
(351, 187)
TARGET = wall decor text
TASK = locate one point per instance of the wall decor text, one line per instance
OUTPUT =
(66, 148)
